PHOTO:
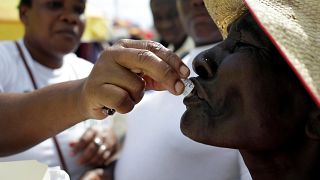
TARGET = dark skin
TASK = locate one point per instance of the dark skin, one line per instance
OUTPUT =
(167, 22)
(113, 82)
(53, 28)
(197, 22)
(62, 24)
(246, 97)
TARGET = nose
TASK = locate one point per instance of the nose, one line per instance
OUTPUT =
(197, 3)
(206, 67)
(71, 17)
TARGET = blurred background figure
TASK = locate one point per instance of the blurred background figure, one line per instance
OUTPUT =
(90, 50)
(44, 56)
(167, 23)
(154, 147)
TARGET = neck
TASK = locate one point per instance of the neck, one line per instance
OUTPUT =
(294, 162)
(42, 56)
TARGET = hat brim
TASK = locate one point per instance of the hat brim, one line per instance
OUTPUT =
(297, 42)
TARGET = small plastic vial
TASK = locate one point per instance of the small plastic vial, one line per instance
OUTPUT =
(108, 111)
(188, 86)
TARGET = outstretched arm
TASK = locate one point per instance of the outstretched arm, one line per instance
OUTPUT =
(117, 81)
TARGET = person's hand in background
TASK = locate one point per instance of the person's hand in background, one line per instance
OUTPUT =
(97, 174)
(96, 147)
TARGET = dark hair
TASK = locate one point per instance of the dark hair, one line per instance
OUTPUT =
(25, 3)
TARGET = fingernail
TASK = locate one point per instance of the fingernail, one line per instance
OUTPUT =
(179, 87)
(184, 70)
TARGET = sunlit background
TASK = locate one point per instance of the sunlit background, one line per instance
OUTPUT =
(107, 20)
(137, 11)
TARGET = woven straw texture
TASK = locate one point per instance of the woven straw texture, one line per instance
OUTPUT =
(224, 12)
(292, 25)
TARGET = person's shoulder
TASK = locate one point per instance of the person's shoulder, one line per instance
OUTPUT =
(6, 47)
(6, 43)
(9, 58)
(8, 52)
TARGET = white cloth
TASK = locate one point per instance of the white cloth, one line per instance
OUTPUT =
(14, 78)
(187, 45)
(155, 148)
(56, 173)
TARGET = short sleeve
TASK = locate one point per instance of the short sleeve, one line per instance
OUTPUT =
(7, 51)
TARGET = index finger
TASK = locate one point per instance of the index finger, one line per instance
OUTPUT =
(154, 60)
(158, 49)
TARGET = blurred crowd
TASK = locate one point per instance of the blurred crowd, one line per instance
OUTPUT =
(147, 143)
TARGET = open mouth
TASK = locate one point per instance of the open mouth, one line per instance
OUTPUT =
(198, 98)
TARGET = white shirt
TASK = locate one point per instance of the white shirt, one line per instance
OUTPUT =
(14, 78)
(155, 148)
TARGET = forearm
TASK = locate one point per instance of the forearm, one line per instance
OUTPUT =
(27, 119)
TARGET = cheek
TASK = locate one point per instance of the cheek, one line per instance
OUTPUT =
(43, 33)
(178, 26)
(265, 130)
(82, 26)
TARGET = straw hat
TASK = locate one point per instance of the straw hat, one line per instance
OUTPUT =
(292, 25)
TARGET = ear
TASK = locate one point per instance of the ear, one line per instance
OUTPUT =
(313, 125)
(23, 14)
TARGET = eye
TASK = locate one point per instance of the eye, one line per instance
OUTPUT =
(242, 45)
(54, 5)
(79, 9)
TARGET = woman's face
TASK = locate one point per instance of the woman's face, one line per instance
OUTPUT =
(245, 96)
(55, 25)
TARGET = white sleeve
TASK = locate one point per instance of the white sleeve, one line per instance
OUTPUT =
(6, 64)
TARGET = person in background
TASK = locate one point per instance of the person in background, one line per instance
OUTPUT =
(52, 31)
(44, 56)
(168, 25)
(113, 84)
(154, 147)
(259, 90)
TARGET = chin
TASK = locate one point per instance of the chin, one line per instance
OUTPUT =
(190, 133)
(193, 128)
(187, 124)
(66, 45)
(197, 128)
(66, 49)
